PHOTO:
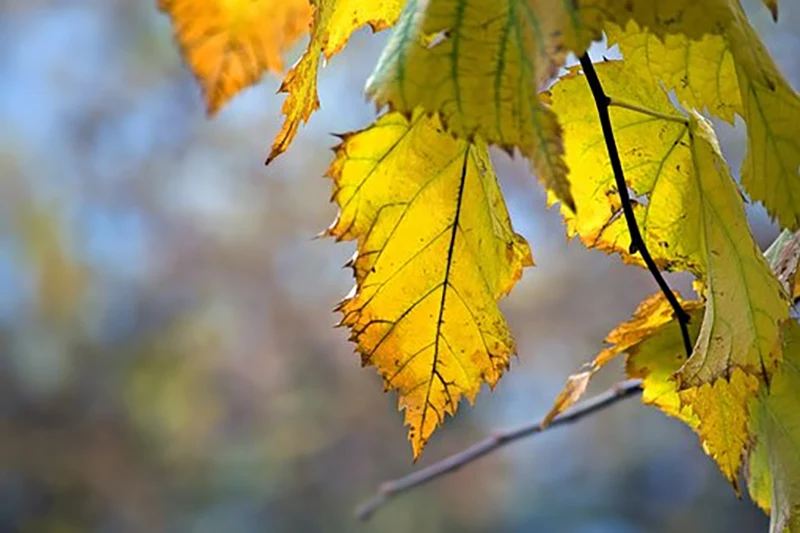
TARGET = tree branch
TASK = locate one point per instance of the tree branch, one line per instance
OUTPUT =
(392, 488)
(602, 101)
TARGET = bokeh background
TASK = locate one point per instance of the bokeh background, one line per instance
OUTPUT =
(167, 356)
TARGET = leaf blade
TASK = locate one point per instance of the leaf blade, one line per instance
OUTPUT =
(332, 24)
(435, 252)
(774, 463)
(229, 44)
(690, 212)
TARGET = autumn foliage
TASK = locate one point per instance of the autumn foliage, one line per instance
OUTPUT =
(435, 246)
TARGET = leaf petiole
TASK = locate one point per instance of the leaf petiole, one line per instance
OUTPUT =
(643, 110)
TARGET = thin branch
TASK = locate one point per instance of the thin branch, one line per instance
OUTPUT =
(643, 110)
(392, 488)
(637, 242)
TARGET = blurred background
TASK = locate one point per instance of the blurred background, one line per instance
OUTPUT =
(167, 356)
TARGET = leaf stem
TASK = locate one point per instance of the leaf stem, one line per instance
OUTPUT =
(643, 110)
(602, 102)
(498, 439)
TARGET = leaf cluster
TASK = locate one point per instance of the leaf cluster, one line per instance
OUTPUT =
(436, 250)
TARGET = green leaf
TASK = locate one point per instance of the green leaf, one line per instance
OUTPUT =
(773, 473)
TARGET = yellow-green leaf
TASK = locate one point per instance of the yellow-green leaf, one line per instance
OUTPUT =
(701, 72)
(229, 44)
(480, 64)
(773, 473)
(690, 212)
(745, 303)
(333, 23)
(771, 167)
(728, 70)
(435, 251)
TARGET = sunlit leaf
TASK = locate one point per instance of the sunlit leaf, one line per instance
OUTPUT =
(771, 167)
(730, 71)
(333, 23)
(480, 64)
(656, 352)
(229, 44)
(721, 408)
(650, 318)
(717, 410)
(435, 252)
(701, 72)
(690, 211)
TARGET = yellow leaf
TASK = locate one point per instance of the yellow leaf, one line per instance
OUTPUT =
(654, 157)
(229, 44)
(773, 470)
(333, 23)
(690, 212)
(717, 411)
(654, 359)
(692, 18)
(724, 57)
(480, 63)
(648, 320)
(701, 72)
(653, 342)
(721, 408)
(435, 251)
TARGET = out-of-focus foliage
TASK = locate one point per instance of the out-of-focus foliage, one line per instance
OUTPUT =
(229, 44)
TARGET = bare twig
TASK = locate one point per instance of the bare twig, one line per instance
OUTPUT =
(392, 488)
(602, 101)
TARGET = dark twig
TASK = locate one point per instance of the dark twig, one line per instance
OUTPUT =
(637, 242)
(392, 488)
